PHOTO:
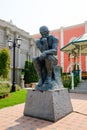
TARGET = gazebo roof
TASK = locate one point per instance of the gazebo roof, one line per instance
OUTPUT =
(74, 45)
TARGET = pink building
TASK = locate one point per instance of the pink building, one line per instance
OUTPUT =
(65, 35)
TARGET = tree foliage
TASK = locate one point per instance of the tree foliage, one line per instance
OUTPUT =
(4, 62)
(30, 74)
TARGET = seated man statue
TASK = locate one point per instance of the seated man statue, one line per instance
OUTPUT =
(45, 63)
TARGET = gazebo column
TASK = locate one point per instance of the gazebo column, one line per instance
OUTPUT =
(80, 75)
(76, 63)
(72, 76)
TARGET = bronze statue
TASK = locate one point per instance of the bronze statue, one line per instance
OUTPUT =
(47, 61)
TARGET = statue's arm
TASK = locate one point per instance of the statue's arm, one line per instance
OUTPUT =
(39, 45)
(53, 51)
(42, 44)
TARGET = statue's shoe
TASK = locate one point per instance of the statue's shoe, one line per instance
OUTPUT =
(48, 80)
(39, 85)
(40, 82)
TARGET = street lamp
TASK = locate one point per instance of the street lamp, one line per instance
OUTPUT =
(13, 44)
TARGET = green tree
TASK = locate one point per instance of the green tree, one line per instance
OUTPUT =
(30, 74)
(4, 62)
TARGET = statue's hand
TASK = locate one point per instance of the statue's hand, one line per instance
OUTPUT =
(44, 40)
(45, 44)
(42, 56)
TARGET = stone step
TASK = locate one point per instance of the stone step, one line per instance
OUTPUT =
(81, 87)
(78, 91)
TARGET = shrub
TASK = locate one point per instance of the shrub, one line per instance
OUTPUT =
(30, 74)
(4, 62)
(5, 89)
(26, 72)
(76, 81)
(17, 87)
(66, 81)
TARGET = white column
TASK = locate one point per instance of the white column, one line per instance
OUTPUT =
(86, 56)
(62, 45)
(72, 76)
(33, 51)
(80, 64)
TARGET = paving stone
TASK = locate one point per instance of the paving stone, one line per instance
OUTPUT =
(74, 121)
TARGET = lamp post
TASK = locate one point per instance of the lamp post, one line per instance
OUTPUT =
(16, 42)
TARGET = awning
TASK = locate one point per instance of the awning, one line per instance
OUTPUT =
(76, 44)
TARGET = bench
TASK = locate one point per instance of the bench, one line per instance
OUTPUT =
(84, 75)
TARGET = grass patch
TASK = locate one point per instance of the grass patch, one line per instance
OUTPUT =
(14, 98)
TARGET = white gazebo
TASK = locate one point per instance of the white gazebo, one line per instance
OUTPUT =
(76, 48)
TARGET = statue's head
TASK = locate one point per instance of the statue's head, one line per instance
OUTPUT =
(44, 31)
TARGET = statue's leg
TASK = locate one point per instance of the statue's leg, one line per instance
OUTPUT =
(50, 62)
(48, 65)
(38, 67)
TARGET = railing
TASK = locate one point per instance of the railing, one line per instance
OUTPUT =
(84, 75)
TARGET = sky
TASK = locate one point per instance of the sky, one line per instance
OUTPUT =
(29, 15)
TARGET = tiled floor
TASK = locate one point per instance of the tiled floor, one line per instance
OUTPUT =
(12, 118)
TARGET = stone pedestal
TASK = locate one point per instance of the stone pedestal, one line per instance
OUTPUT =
(22, 81)
(48, 105)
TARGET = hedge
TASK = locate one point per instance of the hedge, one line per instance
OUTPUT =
(5, 89)
(30, 74)
(4, 62)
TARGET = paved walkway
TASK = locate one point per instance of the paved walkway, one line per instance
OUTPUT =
(12, 118)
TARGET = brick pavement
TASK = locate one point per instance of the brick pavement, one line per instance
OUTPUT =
(12, 118)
